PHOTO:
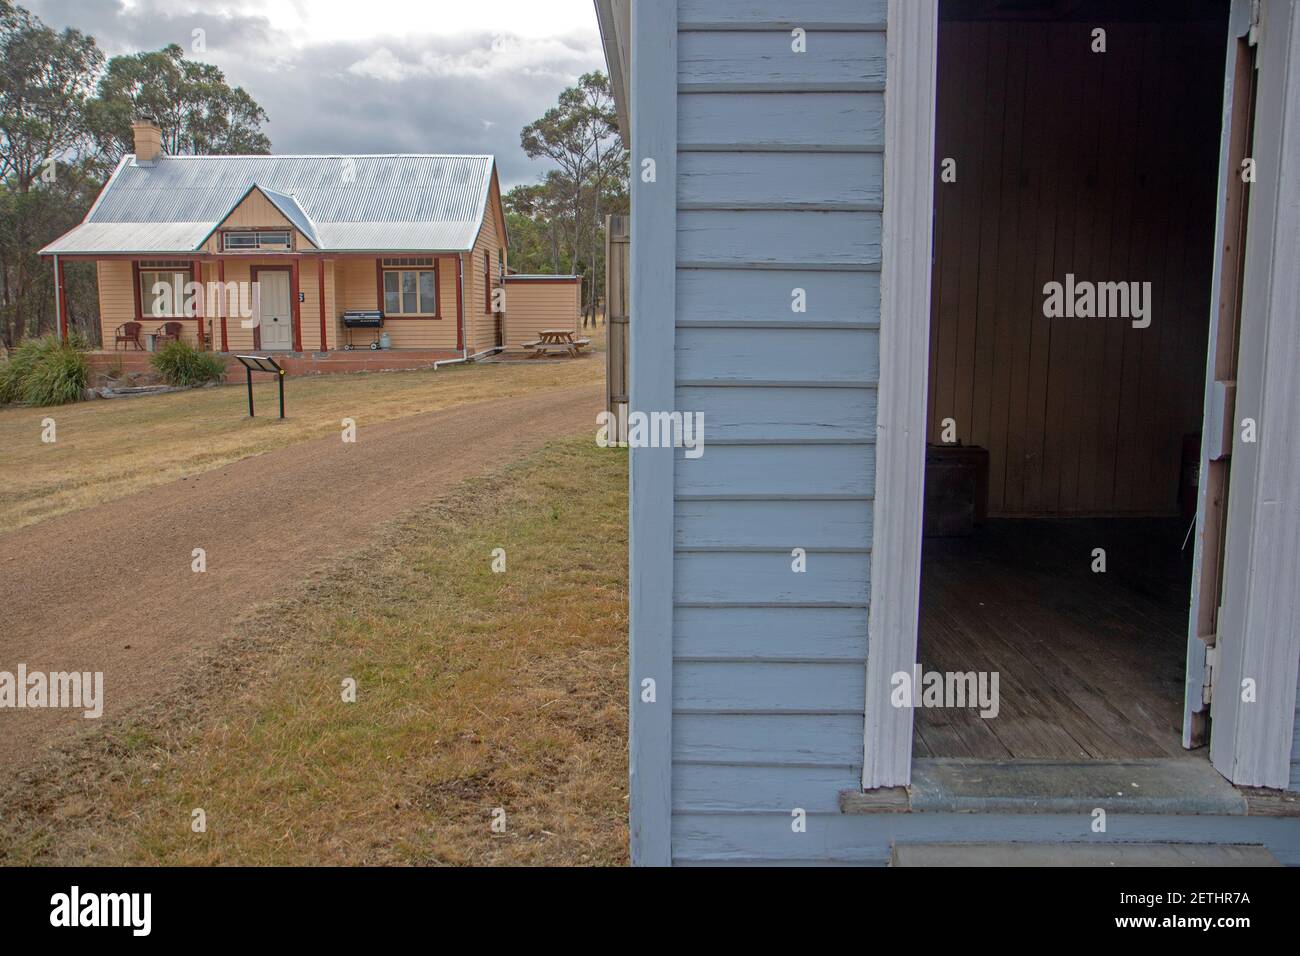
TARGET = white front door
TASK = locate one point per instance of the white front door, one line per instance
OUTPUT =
(277, 315)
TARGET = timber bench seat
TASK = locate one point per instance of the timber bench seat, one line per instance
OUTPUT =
(557, 341)
(540, 349)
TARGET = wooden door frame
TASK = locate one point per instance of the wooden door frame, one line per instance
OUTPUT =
(1259, 621)
(253, 273)
(1259, 639)
(1214, 466)
(906, 246)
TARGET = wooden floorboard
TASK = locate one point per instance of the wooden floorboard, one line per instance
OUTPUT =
(1087, 642)
(1027, 722)
(1090, 665)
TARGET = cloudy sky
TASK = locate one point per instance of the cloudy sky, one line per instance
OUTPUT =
(371, 76)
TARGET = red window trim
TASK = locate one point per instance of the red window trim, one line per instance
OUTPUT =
(137, 275)
(380, 269)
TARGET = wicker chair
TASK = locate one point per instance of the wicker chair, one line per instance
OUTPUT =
(128, 333)
(168, 332)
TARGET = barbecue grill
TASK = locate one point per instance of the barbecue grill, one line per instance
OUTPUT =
(363, 319)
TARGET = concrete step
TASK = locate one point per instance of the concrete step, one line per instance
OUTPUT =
(1187, 785)
(1080, 854)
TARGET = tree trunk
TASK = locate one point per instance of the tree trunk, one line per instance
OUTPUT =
(20, 303)
(595, 252)
(4, 299)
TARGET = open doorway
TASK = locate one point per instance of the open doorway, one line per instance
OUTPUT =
(1077, 143)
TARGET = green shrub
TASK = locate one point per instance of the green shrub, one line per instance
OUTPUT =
(58, 378)
(14, 372)
(44, 371)
(77, 339)
(181, 364)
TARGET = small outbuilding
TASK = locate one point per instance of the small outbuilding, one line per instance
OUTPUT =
(535, 303)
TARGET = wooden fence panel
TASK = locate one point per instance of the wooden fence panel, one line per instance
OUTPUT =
(617, 318)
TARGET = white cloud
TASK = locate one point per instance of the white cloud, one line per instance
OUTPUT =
(380, 65)
(376, 76)
(479, 57)
(308, 22)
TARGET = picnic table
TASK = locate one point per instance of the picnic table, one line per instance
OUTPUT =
(557, 340)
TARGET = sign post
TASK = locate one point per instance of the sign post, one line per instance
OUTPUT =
(261, 363)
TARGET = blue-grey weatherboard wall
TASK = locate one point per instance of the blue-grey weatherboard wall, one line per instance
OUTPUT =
(758, 184)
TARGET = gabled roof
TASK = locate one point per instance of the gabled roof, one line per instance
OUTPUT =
(418, 203)
(284, 202)
(288, 205)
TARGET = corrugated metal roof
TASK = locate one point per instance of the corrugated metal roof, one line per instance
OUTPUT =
(354, 203)
(398, 236)
(93, 237)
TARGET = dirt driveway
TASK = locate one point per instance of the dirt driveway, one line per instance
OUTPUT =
(111, 589)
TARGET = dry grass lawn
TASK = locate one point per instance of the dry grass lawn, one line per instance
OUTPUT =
(108, 449)
(476, 691)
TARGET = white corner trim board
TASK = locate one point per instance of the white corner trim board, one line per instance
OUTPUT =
(904, 350)
(651, 374)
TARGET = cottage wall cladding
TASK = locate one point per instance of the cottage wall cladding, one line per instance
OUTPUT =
(757, 199)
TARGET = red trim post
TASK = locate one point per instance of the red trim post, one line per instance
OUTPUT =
(257, 319)
(437, 287)
(135, 277)
(294, 308)
(197, 267)
(379, 284)
(320, 291)
(221, 302)
(62, 304)
(460, 303)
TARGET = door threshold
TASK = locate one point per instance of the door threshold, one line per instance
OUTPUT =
(1080, 854)
(1167, 786)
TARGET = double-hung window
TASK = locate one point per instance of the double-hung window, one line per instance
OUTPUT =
(409, 289)
(162, 290)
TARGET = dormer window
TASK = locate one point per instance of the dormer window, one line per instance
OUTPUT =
(278, 240)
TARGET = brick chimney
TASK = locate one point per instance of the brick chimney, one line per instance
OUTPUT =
(148, 140)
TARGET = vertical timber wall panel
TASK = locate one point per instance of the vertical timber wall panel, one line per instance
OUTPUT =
(1055, 149)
